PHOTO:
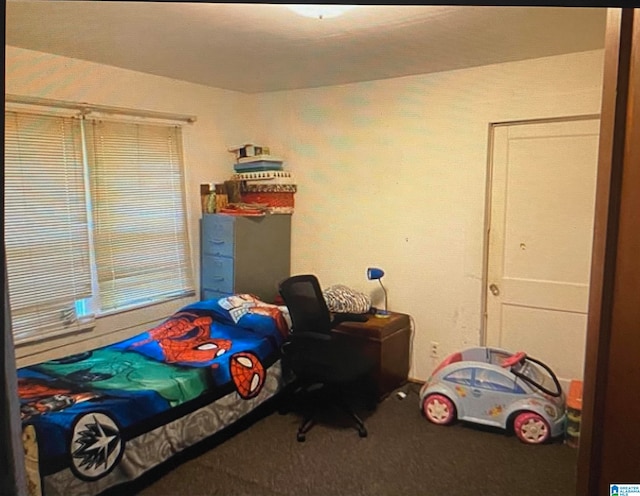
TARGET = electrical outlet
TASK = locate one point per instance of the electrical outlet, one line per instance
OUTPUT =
(435, 351)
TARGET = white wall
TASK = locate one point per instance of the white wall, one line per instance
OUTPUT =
(222, 120)
(390, 173)
(393, 174)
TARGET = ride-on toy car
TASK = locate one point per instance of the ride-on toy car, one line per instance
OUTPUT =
(494, 387)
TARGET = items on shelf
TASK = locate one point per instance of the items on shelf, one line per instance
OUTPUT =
(264, 157)
(207, 198)
(261, 163)
(222, 199)
(213, 197)
(259, 185)
(262, 180)
(232, 189)
(248, 150)
(274, 177)
(250, 209)
(251, 158)
(279, 197)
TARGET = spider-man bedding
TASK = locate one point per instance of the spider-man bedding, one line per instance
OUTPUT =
(103, 417)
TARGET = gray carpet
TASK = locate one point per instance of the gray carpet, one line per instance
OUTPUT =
(404, 454)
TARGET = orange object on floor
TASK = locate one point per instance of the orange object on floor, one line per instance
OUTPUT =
(574, 413)
(574, 400)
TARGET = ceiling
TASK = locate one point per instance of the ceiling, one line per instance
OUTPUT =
(265, 47)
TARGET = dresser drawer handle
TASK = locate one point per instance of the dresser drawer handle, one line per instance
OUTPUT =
(218, 278)
(217, 241)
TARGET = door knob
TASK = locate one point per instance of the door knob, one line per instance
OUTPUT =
(495, 291)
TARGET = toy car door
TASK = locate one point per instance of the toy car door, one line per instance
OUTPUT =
(491, 393)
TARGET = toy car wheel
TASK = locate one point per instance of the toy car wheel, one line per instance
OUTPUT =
(439, 409)
(531, 428)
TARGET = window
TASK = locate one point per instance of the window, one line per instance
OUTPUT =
(141, 248)
(95, 220)
(46, 235)
(495, 381)
(461, 376)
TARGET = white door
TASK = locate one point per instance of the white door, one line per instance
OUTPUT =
(540, 235)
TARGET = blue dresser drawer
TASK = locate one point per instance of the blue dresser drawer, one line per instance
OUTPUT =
(243, 254)
(217, 274)
(217, 235)
(213, 295)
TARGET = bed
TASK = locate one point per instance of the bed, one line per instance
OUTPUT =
(103, 417)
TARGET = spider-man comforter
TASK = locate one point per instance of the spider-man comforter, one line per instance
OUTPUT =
(99, 418)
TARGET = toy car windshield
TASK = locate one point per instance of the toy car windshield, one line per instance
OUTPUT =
(533, 371)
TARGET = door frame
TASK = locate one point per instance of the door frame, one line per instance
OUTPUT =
(14, 479)
(608, 441)
(489, 199)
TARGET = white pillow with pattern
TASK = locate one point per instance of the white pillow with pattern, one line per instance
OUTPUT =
(341, 299)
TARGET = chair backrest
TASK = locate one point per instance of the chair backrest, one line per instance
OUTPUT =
(307, 307)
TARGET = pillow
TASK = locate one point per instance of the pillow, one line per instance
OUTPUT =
(341, 299)
(247, 311)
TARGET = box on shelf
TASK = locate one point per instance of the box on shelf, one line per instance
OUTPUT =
(271, 177)
(279, 198)
(248, 150)
(275, 202)
(259, 158)
(249, 187)
(258, 165)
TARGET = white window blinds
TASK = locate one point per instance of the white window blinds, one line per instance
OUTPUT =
(140, 237)
(46, 229)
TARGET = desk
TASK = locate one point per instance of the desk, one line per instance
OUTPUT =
(387, 341)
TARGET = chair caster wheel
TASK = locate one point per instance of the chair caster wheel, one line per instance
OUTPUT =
(301, 437)
(362, 432)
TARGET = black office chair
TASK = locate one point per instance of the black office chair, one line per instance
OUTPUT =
(319, 358)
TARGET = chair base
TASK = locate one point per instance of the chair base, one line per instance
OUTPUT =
(337, 399)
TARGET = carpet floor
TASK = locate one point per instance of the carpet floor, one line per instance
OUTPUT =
(403, 455)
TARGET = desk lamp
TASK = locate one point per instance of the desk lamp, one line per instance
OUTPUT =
(372, 274)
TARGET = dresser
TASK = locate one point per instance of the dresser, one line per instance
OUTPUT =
(387, 341)
(243, 254)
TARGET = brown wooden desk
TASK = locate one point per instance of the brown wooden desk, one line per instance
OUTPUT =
(387, 341)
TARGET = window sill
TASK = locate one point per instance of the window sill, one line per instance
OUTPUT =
(145, 304)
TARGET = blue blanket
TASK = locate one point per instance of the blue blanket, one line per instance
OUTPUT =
(84, 416)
